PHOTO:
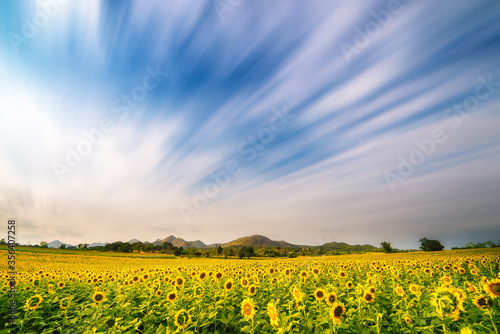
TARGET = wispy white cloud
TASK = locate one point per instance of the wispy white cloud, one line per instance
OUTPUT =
(321, 176)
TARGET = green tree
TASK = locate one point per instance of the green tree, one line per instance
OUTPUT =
(430, 245)
(44, 244)
(147, 247)
(137, 246)
(423, 241)
(125, 248)
(63, 246)
(228, 251)
(167, 245)
(177, 251)
(387, 247)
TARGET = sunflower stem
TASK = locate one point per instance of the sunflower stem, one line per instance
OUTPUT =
(492, 322)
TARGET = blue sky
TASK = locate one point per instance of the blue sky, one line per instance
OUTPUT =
(308, 122)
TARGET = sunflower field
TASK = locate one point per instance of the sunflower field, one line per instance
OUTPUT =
(440, 292)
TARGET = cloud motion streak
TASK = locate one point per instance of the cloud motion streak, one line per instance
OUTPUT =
(322, 175)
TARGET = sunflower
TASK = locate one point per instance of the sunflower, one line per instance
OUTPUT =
(98, 297)
(51, 288)
(493, 288)
(202, 275)
(400, 291)
(158, 293)
(471, 287)
(331, 298)
(33, 302)
(349, 285)
(415, 289)
(446, 280)
(304, 274)
(483, 302)
(198, 290)
(297, 295)
(252, 290)
(244, 282)
(64, 304)
(372, 290)
(172, 296)
(182, 319)
(219, 275)
(248, 309)
(319, 294)
(337, 312)
(228, 285)
(343, 274)
(273, 314)
(459, 294)
(407, 319)
(179, 281)
(447, 303)
(368, 297)
(60, 285)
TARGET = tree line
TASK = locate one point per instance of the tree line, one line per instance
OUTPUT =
(249, 251)
(426, 245)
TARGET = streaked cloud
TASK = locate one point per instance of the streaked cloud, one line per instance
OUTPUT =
(321, 177)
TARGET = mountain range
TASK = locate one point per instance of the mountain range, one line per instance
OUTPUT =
(254, 241)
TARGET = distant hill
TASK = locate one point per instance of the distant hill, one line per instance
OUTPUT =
(98, 244)
(254, 241)
(258, 241)
(342, 246)
(179, 242)
(57, 244)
